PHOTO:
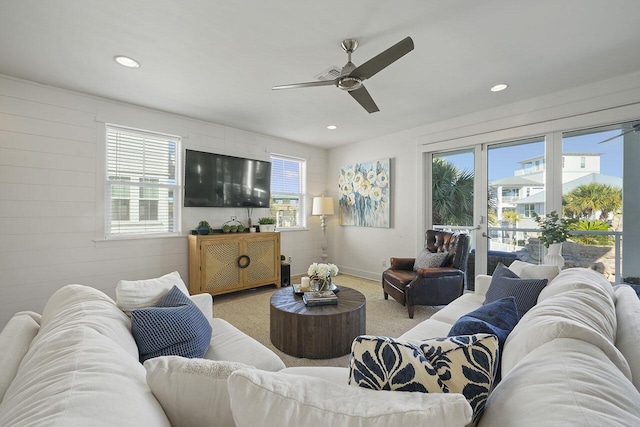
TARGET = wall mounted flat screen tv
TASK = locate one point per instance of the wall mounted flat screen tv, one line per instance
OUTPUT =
(215, 180)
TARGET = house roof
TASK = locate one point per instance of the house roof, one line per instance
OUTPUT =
(614, 181)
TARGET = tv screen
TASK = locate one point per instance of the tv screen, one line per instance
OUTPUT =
(214, 180)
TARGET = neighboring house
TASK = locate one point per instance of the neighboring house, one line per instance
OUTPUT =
(524, 192)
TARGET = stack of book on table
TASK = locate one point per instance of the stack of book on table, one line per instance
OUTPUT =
(320, 298)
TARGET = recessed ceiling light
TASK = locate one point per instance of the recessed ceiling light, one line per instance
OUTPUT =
(499, 87)
(332, 127)
(125, 61)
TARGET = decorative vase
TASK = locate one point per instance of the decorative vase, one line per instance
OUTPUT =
(320, 284)
(554, 255)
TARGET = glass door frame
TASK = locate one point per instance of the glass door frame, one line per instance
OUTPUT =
(425, 217)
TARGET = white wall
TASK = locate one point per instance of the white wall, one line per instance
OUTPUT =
(361, 251)
(51, 194)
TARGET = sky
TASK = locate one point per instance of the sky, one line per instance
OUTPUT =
(503, 161)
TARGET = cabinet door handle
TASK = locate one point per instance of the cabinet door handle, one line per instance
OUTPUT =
(244, 261)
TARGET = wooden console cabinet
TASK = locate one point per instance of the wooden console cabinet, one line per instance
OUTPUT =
(222, 263)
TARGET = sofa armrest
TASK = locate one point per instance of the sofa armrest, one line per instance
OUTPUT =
(482, 284)
(401, 263)
(205, 303)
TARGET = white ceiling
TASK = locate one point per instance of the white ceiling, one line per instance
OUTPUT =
(217, 60)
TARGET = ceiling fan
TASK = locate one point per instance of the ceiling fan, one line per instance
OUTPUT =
(634, 128)
(352, 77)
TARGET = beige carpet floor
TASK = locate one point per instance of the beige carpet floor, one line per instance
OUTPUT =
(248, 310)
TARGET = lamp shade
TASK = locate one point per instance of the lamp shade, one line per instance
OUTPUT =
(322, 206)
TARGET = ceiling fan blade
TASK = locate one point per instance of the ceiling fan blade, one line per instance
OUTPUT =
(362, 96)
(307, 84)
(384, 59)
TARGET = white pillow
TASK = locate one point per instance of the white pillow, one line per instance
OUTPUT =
(192, 392)
(261, 398)
(15, 340)
(526, 270)
(134, 294)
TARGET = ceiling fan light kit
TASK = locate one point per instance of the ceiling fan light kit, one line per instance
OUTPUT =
(351, 78)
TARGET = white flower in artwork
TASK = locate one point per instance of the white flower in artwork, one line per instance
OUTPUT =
(349, 174)
(351, 199)
(365, 188)
(346, 189)
(383, 179)
(357, 181)
(376, 194)
(341, 180)
(372, 176)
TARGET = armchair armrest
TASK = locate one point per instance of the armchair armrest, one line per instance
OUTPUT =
(401, 263)
(482, 283)
(438, 272)
(205, 303)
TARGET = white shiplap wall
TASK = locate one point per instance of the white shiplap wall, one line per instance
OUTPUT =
(51, 194)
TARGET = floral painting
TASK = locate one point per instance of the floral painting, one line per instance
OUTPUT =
(365, 194)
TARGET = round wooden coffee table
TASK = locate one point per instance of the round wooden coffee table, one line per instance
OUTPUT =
(319, 332)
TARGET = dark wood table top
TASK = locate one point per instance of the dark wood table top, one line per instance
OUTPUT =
(286, 300)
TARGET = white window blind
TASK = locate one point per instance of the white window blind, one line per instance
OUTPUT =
(287, 191)
(142, 195)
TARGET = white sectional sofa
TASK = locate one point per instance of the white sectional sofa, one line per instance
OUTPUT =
(77, 365)
(573, 359)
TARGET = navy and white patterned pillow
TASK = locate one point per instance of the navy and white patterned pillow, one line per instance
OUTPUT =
(462, 364)
(506, 283)
(427, 259)
(174, 327)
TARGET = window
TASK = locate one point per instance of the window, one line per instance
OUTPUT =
(583, 162)
(529, 209)
(287, 191)
(141, 183)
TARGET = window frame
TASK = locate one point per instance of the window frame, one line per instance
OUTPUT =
(301, 195)
(145, 186)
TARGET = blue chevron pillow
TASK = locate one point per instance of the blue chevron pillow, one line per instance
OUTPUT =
(462, 364)
(174, 327)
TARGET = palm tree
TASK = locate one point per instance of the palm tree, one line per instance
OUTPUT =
(583, 201)
(452, 201)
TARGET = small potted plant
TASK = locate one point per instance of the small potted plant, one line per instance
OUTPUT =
(226, 228)
(267, 224)
(554, 231)
(203, 228)
(240, 228)
(233, 228)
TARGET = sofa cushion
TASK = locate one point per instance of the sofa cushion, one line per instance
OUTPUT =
(458, 308)
(192, 392)
(231, 344)
(463, 364)
(628, 331)
(427, 259)
(82, 368)
(136, 294)
(582, 314)
(298, 400)
(15, 340)
(505, 283)
(176, 326)
(577, 278)
(564, 382)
